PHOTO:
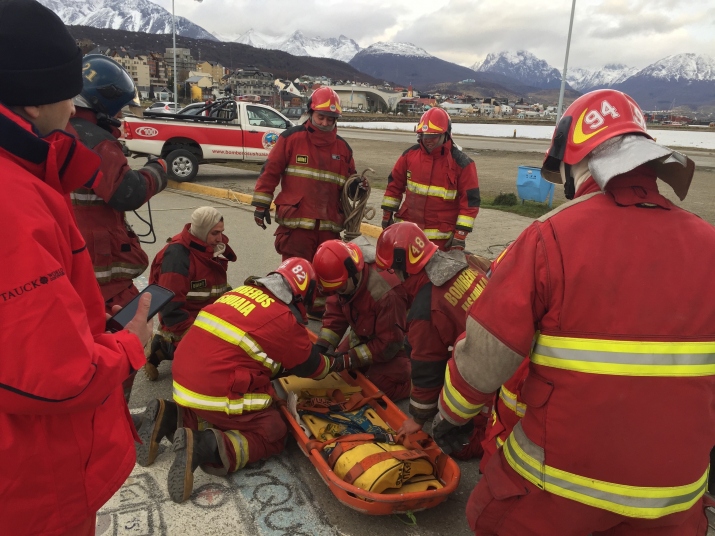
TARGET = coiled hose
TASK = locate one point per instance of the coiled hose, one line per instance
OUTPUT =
(354, 198)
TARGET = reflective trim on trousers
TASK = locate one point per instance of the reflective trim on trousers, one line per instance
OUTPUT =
(231, 406)
(527, 459)
(240, 447)
(625, 358)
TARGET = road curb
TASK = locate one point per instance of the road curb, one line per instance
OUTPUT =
(224, 193)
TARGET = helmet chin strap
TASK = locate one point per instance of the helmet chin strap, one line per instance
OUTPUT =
(569, 183)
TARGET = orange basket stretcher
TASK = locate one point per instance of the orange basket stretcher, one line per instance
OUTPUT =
(382, 410)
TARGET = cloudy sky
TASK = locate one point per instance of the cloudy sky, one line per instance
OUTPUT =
(633, 32)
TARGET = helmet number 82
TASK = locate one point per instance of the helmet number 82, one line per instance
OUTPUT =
(299, 272)
(594, 119)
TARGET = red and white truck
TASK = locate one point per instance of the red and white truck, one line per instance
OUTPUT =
(221, 131)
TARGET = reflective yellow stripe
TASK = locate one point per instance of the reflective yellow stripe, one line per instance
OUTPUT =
(206, 293)
(264, 199)
(391, 202)
(118, 270)
(233, 335)
(327, 225)
(465, 221)
(432, 191)
(632, 501)
(436, 234)
(316, 174)
(309, 224)
(230, 406)
(456, 403)
(364, 354)
(511, 402)
(240, 446)
(500, 442)
(330, 336)
(625, 358)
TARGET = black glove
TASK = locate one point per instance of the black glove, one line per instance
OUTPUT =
(387, 218)
(320, 348)
(261, 215)
(342, 362)
(450, 437)
(159, 165)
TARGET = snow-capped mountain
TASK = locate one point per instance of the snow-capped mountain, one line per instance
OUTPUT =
(587, 79)
(522, 66)
(131, 15)
(341, 48)
(398, 49)
(682, 67)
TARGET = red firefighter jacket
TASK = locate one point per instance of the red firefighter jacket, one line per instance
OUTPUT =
(187, 266)
(621, 347)
(113, 246)
(376, 315)
(441, 190)
(311, 167)
(437, 317)
(237, 344)
(66, 444)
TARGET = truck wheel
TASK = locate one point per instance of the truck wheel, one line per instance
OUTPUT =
(183, 165)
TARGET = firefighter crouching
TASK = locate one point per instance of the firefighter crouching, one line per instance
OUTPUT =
(311, 163)
(222, 378)
(439, 183)
(116, 253)
(621, 346)
(439, 288)
(193, 265)
(361, 298)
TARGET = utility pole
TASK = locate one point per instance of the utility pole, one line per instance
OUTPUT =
(559, 110)
(173, 24)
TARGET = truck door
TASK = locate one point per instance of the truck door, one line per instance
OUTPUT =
(223, 139)
(262, 131)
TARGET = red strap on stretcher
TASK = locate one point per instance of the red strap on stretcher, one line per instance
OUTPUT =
(336, 402)
(401, 455)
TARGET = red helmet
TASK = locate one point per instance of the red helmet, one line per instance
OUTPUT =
(300, 276)
(335, 262)
(325, 101)
(404, 246)
(435, 121)
(592, 119)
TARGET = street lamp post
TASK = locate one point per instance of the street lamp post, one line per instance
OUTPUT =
(559, 110)
(173, 25)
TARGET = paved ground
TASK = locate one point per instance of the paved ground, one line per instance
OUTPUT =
(283, 496)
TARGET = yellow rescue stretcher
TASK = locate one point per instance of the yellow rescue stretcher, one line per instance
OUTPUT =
(346, 427)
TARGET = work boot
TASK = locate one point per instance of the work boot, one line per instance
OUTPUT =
(192, 449)
(156, 356)
(159, 420)
(137, 420)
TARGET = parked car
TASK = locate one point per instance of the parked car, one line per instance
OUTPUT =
(294, 112)
(163, 107)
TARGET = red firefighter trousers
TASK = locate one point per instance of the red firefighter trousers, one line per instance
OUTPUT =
(505, 504)
(264, 431)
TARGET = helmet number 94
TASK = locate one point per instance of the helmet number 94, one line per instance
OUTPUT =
(595, 120)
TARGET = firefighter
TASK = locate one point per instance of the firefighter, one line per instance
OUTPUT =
(361, 298)
(311, 163)
(439, 182)
(439, 288)
(617, 345)
(114, 247)
(115, 250)
(222, 378)
(193, 265)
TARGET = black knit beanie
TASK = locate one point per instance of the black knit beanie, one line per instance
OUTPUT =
(40, 63)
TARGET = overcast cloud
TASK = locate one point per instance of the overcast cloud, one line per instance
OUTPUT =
(633, 32)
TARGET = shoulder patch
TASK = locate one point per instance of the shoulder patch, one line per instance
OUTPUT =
(460, 158)
(90, 134)
(415, 147)
(176, 260)
(422, 304)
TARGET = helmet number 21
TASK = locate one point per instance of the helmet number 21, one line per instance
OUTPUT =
(594, 119)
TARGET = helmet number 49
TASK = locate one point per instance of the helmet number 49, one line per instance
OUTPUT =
(595, 120)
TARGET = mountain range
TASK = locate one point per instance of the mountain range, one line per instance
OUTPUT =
(685, 79)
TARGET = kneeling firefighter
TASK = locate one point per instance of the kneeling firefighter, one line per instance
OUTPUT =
(222, 378)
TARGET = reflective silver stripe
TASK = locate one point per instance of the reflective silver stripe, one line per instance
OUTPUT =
(527, 459)
(316, 174)
(309, 224)
(391, 202)
(262, 198)
(249, 402)
(629, 358)
(240, 446)
(330, 336)
(420, 405)
(456, 403)
(215, 291)
(363, 354)
(104, 274)
(85, 199)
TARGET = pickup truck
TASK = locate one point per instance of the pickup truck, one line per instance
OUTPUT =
(222, 131)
